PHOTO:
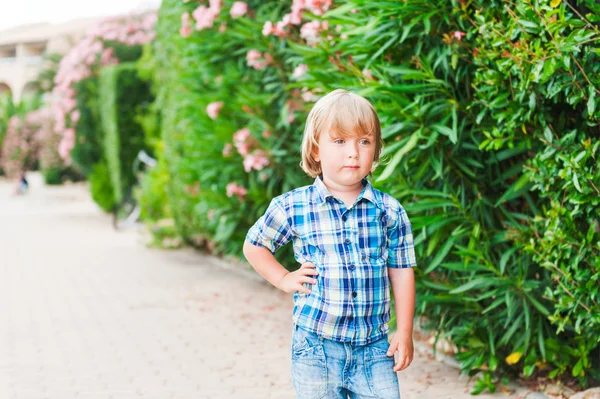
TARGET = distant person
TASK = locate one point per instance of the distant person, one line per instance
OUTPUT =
(22, 185)
(353, 242)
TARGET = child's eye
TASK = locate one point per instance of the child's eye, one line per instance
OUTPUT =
(365, 142)
(338, 141)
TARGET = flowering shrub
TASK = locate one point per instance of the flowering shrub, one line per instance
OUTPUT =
(20, 150)
(488, 111)
(97, 49)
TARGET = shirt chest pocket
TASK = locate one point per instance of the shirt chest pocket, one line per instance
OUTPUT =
(372, 236)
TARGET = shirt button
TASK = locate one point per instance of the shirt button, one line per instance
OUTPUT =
(352, 267)
(347, 241)
(344, 218)
(354, 295)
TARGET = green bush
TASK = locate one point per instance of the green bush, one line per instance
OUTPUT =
(122, 96)
(101, 187)
(488, 111)
(53, 176)
(88, 145)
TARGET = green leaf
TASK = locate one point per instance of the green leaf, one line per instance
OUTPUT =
(446, 131)
(440, 255)
(389, 169)
(477, 283)
(576, 182)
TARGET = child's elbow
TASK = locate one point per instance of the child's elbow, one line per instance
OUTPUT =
(247, 248)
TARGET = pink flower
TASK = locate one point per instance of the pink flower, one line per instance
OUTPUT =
(213, 109)
(186, 28)
(240, 140)
(75, 115)
(241, 135)
(310, 31)
(205, 17)
(279, 30)
(300, 70)
(253, 57)
(238, 9)
(235, 189)
(215, 6)
(367, 73)
(268, 28)
(458, 35)
(257, 160)
(266, 134)
(185, 31)
(318, 7)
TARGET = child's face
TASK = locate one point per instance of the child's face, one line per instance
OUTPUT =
(345, 160)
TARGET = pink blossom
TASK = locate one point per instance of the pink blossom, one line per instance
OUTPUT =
(222, 27)
(75, 115)
(257, 160)
(266, 134)
(185, 31)
(310, 31)
(253, 58)
(300, 70)
(235, 189)
(240, 140)
(213, 109)
(186, 28)
(458, 35)
(279, 30)
(318, 7)
(268, 28)
(205, 17)
(241, 135)
(215, 6)
(238, 9)
(367, 73)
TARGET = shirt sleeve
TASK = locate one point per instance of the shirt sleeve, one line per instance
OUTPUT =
(401, 251)
(272, 230)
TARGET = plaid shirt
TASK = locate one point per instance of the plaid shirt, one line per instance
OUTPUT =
(350, 248)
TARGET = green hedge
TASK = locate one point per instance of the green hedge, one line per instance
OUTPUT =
(122, 96)
(488, 111)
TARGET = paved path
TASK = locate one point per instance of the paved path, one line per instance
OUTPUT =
(86, 312)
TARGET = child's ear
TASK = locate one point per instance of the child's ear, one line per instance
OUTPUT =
(316, 156)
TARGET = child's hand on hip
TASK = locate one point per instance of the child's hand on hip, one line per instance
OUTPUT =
(402, 343)
(294, 281)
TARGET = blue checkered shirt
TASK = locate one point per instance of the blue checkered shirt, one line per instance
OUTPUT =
(351, 249)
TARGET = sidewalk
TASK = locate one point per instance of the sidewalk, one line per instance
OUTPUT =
(87, 312)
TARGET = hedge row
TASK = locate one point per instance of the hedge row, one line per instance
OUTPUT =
(489, 115)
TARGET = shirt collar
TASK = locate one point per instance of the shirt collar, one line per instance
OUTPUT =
(367, 192)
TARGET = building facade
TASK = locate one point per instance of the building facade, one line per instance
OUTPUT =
(22, 50)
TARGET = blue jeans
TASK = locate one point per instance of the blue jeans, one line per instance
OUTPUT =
(322, 368)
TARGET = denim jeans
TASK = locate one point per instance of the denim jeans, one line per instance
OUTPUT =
(322, 368)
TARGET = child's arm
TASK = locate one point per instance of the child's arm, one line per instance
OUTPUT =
(403, 289)
(263, 261)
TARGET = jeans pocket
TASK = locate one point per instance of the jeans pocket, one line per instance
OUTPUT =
(383, 381)
(309, 369)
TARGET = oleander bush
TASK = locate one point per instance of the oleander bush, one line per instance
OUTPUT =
(489, 116)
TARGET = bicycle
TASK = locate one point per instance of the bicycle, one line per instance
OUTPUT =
(127, 212)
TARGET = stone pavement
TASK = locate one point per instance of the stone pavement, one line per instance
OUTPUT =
(87, 312)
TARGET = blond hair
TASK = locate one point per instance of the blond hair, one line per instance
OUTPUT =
(345, 113)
